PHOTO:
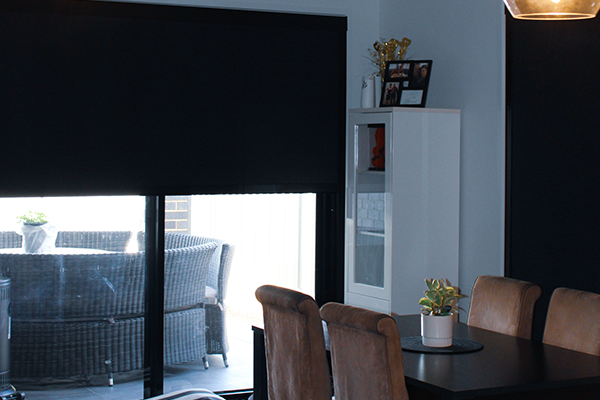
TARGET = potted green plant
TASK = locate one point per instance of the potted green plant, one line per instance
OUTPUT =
(38, 234)
(437, 308)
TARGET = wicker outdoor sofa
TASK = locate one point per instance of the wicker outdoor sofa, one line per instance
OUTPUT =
(76, 315)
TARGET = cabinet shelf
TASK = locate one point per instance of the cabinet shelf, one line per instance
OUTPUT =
(370, 233)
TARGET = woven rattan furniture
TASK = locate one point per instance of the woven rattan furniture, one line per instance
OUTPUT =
(103, 240)
(216, 290)
(216, 287)
(10, 239)
(80, 315)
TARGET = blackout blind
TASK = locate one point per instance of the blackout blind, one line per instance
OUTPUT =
(123, 98)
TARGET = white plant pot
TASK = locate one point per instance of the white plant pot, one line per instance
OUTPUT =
(38, 238)
(436, 331)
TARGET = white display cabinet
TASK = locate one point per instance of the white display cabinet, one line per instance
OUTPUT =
(402, 219)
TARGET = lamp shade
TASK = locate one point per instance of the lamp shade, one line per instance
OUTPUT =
(553, 9)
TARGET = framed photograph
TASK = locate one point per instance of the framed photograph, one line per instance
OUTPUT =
(405, 83)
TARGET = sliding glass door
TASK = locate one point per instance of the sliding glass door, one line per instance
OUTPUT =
(77, 295)
(80, 301)
(238, 242)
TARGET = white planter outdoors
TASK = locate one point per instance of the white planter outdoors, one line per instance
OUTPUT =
(436, 331)
(38, 238)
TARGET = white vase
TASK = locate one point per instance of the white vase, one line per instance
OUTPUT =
(367, 99)
(436, 331)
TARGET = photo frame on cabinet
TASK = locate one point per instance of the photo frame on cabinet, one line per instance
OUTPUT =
(406, 83)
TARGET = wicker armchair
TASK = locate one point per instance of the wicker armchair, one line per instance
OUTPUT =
(80, 315)
(102, 240)
(216, 290)
(186, 270)
(10, 239)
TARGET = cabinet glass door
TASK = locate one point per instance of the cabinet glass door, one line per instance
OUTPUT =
(367, 208)
(370, 206)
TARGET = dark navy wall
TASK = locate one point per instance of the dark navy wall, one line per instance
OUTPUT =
(553, 154)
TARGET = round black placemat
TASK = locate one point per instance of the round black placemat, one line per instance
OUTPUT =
(459, 345)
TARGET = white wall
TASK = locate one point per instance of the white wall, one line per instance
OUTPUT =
(465, 40)
(363, 26)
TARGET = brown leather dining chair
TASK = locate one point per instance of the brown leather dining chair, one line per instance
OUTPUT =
(503, 305)
(366, 354)
(297, 366)
(572, 321)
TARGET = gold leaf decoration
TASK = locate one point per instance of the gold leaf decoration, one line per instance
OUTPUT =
(384, 51)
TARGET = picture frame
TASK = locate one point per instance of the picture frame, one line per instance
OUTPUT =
(405, 83)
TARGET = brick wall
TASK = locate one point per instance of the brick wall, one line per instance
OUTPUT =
(371, 211)
(178, 214)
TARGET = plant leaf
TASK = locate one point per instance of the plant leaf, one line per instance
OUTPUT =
(442, 285)
(429, 284)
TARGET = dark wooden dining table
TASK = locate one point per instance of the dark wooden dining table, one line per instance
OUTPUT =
(506, 368)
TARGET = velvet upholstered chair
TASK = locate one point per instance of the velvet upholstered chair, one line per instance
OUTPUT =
(503, 305)
(366, 354)
(572, 321)
(297, 366)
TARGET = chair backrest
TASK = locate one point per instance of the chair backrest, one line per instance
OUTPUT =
(220, 264)
(103, 240)
(366, 353)
(186, 270)
(96, 286)
(503, 305)
(572, 321)
(63, 287)
(227, 251)
(175, 240)
(10, 240)
(295, 345)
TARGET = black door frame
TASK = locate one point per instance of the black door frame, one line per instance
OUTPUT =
(329, 276)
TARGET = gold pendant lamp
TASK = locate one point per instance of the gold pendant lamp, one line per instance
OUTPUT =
(553, 9)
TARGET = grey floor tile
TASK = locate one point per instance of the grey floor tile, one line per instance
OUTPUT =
(74, 393)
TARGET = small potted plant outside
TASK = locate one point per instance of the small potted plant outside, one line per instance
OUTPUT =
(38, 235)
(437, 308)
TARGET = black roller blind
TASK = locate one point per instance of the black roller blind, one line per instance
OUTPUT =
(123, 98)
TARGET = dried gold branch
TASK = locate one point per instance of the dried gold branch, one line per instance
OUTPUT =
(387, 51)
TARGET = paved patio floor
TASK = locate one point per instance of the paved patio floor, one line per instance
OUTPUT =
(217, 378)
